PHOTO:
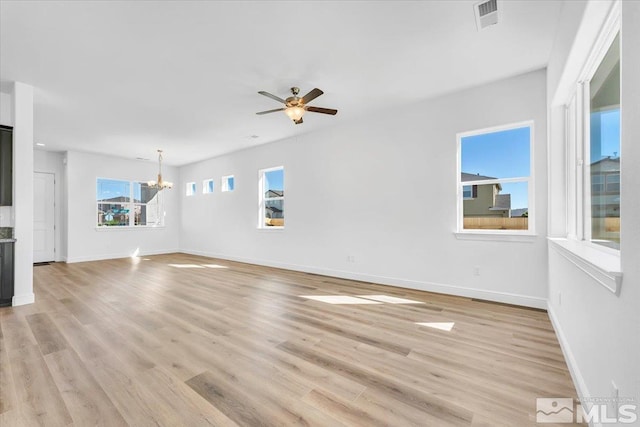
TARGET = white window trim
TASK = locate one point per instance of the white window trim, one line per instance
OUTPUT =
(131, 225)
(262, 199)
(508, 235)
(600, 262)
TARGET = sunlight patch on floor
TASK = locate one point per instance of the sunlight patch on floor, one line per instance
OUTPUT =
(185, 266)
(339, 299)
(214, 266)
(443, 326)
(390, 299)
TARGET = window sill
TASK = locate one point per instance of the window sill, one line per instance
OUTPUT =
(129, 227)
(601, 265)
(269, 229)
(494, 236)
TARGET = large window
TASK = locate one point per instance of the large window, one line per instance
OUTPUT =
(593, 148)
(128, 204)
(603, 148)
(494, 182)
(271, 198)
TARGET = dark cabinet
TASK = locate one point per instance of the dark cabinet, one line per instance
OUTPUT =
(6, 166)
(6, 274)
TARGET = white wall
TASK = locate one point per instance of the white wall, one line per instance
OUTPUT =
(53, 162)
(382, 189)
(599, 331)
(84, 240)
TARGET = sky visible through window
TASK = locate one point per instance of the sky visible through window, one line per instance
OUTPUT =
(504, 154)
(111, 188)
(605, 134)
(108, 189)
(274, 180)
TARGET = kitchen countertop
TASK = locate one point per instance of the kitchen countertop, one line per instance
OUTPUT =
(7, 240)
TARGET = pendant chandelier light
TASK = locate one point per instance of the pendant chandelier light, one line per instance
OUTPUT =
(160, 184)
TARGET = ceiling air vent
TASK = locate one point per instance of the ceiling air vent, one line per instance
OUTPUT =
(486, 13)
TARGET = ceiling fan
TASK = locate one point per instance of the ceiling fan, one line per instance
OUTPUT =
(295, 107)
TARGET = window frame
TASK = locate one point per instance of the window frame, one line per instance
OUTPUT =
(578, 141)
(262, 199)
(131, 204)
(530, 180)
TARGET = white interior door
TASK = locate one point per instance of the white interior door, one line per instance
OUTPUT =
(43, 217)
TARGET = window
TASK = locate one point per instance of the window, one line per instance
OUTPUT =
(468, 192)
(227, 183)
(207, 186)
(494, 182)
(271, 198)
(128, 203)
(602, 146)
(593, 147)
(191, 189)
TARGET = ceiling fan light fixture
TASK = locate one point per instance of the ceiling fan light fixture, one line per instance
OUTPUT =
(294, 113)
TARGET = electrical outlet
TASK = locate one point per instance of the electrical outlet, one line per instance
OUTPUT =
(351, 258)
(476, 271)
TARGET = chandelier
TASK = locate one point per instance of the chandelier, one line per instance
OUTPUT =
(159, 184)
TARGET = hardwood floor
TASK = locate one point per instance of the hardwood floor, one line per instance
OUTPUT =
(184, 340)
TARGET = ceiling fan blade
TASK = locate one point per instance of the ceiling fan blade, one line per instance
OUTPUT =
(311, 95)
(322, 110)
(276, 98)
(270, 111)
(298, 121)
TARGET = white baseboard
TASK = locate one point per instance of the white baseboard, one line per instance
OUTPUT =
(574, 370)
(23, 299)
(495, 296)
(71, 260)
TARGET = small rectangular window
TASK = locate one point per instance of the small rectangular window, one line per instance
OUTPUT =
(227, 183)
(613, 183)
(597, 184)
(271, 197)
(207, 186)
(467, 191)
(191, 189)
(494, 180)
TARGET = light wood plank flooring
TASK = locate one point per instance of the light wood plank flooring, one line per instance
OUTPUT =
(184, 340)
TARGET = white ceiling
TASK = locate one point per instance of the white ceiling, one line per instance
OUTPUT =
(126, 78)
